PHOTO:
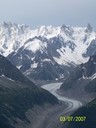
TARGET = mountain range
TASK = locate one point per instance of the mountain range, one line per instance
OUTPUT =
(46, 53)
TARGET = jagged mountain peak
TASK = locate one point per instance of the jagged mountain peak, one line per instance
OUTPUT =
(12, 24)
(89, 28)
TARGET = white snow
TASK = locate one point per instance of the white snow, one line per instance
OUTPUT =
(48, 31)
(13, 36)
(34, 65)
(56, 79)
(7, 77)
(90, 78)
(76, 56)
(32, 58)
(48, 60)
(62, 76)
(2, 75)
(35, 45)
(93, 77)
(19, 66)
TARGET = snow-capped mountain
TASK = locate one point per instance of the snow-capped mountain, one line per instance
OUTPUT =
(47, 49)
(13, 36)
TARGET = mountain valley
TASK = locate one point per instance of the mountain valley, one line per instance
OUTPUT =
(46, 56)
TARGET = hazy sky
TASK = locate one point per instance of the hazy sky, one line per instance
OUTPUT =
(49, 12)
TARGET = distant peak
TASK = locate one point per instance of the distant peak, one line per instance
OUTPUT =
(63, 26)
(4, 23)
(11, 24)
(89, 28)
(66, 27)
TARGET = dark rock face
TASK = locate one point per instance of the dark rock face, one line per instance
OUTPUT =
(89, 28)
(10, 71)
(90, 66)
(18, 94)
(91, 50)
(88, 112)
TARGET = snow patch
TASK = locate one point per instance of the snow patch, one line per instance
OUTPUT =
(19, 66)
(34, 65)
(7, 77)
(61, 76)
(90, 78)
(35, 45)
(48, 60)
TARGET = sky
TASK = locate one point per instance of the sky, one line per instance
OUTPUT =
(49, 12)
